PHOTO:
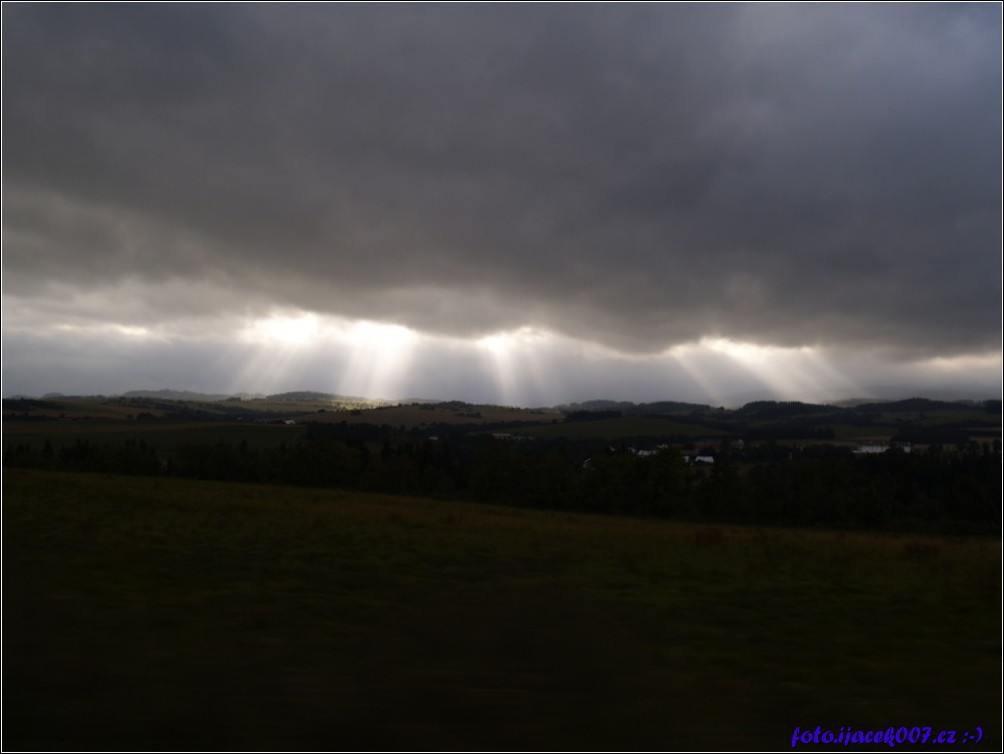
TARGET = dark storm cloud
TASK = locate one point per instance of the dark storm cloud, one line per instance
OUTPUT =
(790, 175)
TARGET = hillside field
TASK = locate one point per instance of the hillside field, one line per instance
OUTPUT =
(156, 613)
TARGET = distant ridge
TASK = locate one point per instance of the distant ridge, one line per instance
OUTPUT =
(294, 396)
(921, 405)
(298, 396)
(627, 407)
(759, 406)
(784, 408)
(178, 395)
(778, 409)
(304, 395)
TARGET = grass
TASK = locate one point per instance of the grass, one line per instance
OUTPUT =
(163, 614)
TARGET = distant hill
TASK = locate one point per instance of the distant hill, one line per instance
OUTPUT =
(670, 407)
(177, 395)
(777, 409)
(919, 405)
(855, 402)
(596, 405)
(312, 396)
(758, 410)
(629, 408)
(297, 396)
(302, 395)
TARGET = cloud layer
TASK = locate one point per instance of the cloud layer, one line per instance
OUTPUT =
(643, 177)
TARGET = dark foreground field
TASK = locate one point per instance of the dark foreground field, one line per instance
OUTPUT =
(149, 613)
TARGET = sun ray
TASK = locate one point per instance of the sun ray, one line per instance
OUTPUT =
(269, 349)
(380, 356)
(516, 361)
(786, 372)
(498, 349)
(689, 359)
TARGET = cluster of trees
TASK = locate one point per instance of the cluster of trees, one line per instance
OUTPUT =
(951, 490)
(131, 457)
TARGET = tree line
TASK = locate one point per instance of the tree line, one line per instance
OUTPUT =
(943, 489)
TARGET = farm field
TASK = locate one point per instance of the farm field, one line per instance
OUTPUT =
(155, 613)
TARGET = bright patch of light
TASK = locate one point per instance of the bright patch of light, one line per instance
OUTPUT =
(751, 353)
(287, 330)
(133, 332)
(106, 328)
(508, 340)
(495, 344)
(379, 336)
(968, 363)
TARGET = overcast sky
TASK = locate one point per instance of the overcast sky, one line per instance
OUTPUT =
(509, 203)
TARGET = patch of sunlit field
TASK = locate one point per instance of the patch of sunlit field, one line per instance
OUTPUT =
(306, 407)
(144, 613)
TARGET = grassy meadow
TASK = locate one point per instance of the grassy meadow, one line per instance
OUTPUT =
(155, 613)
